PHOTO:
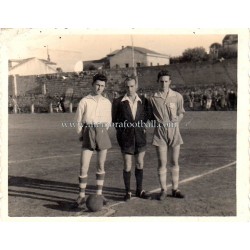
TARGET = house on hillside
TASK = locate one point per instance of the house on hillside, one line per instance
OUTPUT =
(228, 48)
(214, 50)
(31, 66)
(230, 42)
(96, 64)
(127, 56)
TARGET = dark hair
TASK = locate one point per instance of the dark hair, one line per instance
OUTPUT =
(163, 73)
(99, 77)
(130, 78)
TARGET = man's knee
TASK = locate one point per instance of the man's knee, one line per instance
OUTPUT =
(175, 168)
(162, 170)
(139, 165)
(127, 162)
(127, 167)
(162, 163)
(174, 163)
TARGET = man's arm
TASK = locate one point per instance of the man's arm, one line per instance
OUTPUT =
(180, 110)
(180, 117)
(109, 115)
(149, 110)
(115, 108)
(78, 120)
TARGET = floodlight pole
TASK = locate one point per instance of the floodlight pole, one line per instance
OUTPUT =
(48, 57)
(133, 60)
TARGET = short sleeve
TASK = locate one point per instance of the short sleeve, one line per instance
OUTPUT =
(79, 116)
(180, 105)
(109, 113)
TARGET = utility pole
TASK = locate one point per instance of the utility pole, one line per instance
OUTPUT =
(133, 60)
(48, 57)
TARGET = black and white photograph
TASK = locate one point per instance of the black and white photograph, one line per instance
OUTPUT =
(123, 124)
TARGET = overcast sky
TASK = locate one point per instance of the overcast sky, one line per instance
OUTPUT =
(67, 47)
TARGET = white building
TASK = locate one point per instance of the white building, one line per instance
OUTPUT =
(31, 66)
(136, 56)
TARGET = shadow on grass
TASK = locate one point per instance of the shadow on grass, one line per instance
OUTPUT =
(54, 191)
(64, 206)
(156, 196)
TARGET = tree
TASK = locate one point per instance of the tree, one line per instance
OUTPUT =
(90, 67)
(197, 54)
(176, 59)
(59, 70)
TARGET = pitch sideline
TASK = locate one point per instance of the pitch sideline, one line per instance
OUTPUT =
(50, 157)
(112, 211)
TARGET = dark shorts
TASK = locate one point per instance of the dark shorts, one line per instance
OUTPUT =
(95, 138)
(131, 151)
(132, 141)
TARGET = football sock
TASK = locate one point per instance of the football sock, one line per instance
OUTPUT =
(82, 185)
(126, 178)
(162, 174)
(139, 178)
(175, 177)
(99, 182)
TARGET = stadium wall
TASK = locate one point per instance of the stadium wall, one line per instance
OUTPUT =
(185, 76)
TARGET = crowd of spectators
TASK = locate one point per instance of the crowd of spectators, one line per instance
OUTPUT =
(206, 98)
(195, 99)
(211, 99)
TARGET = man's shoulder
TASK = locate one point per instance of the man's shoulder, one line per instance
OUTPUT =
(178, 94)
(118, 99)
(85, 98)
(142, 97)
(155, 94)
(106, 100)
(91, 97)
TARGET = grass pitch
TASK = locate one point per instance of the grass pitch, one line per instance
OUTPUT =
(44, 168)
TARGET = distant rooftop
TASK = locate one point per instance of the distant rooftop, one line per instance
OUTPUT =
(138, 49)
(22, 61)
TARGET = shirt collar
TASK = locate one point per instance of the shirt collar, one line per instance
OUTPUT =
(90, 96)
(126, 98)
(170, 93)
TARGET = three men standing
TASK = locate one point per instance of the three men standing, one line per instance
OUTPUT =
(165, 107)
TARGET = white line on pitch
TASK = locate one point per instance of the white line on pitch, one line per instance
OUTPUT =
(181, 182)
(198, 176)
(52, 157)
(44, 158)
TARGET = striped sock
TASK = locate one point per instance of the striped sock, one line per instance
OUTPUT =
(175, 177)
(82, 185)
(99, 182)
